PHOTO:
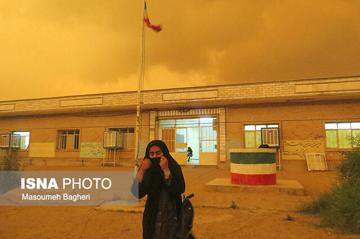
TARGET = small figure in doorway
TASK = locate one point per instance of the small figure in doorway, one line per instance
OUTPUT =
(189, 153)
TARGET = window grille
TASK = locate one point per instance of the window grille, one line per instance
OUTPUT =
(68, 140)
(252, 134)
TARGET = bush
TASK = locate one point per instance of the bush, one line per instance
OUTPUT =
(340, 208)
(350, 168)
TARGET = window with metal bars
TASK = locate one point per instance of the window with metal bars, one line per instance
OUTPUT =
(68, 140)
(252, 133)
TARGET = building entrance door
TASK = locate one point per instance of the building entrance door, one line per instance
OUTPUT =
(199, 134)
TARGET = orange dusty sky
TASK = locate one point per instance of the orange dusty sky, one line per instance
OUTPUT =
(66, 47)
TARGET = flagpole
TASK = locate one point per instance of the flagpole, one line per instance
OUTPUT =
(140, 85)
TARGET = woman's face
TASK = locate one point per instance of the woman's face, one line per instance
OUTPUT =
(155, 152)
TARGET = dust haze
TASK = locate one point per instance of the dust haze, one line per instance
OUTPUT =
(56, 47)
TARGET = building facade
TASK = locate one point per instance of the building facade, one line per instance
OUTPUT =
(311, 116)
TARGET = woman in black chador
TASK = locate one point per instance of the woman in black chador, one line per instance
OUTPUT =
(161, 179)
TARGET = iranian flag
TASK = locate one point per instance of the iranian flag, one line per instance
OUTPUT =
(147, 22)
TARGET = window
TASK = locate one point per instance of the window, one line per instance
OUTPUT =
(68, 140)
(253, 134)
(340, 134)
(181, 140)
(24, 139)
(208, 139)
(127, 137)
(169, 123)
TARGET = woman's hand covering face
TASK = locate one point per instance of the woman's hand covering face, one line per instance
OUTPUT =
(145, 164)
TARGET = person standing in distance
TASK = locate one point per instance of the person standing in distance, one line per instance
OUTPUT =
(189, 153)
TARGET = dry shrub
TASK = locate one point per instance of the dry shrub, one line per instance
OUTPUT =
(340, 208)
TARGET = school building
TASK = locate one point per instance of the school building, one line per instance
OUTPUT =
(310, 116)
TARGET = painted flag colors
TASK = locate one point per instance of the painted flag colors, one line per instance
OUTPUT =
(253, 168)
(147, 22)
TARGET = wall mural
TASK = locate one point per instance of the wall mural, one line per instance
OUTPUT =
(91, 150)
(296, 149)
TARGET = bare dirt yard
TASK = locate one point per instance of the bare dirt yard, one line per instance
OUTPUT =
(258, 215)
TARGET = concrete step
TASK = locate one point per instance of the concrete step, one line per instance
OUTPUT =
(290, 187)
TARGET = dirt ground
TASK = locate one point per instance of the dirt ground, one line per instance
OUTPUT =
(259, 215)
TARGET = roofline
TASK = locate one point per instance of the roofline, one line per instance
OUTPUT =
(182, 88)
